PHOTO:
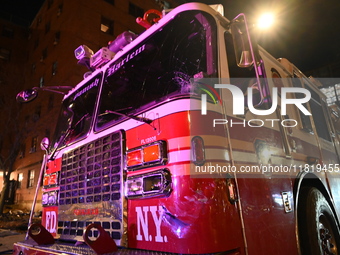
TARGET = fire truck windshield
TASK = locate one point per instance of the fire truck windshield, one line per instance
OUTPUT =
(76, 114)
(156, 70)
(159, 68)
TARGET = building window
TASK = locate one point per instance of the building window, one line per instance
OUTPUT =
(43, 55)
(106, 26)
(41, 82)
(22, 150)
(36, 114)
(135, 11)
(49, 4)
(20, 178)
(7, 32)
(5, 54)
(30, 181)
(27, 120)
(163, 4)
(110, 1)
(36, 44)
(47, 27)
(34, 144)
(38, 21)
(54, 67)
(60, 9)
(47, 133)
(56, 38)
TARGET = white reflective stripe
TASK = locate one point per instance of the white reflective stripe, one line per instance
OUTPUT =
(250, 157)
(216, 154)
(179, 142)
(277, 160)
(210, 154)
(174, 144)
(179, 156)
(172, 107)
(245, 156)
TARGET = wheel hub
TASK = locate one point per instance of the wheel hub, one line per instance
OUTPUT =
(326, 240)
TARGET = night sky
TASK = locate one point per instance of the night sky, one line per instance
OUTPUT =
(307, 32)
(24, 9)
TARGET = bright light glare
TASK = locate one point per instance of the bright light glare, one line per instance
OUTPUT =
(266, 21)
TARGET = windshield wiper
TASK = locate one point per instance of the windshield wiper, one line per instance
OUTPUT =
(141, 119)
(60, 141)
(68, 131)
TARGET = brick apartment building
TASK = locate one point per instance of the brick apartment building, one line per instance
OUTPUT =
(47, 59)
(13, 42)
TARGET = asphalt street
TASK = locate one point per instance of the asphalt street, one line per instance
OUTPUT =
(8, 238)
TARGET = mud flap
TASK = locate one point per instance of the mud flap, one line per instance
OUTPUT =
(40, 235)
(103, 243)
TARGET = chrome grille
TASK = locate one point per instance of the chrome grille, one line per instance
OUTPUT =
(91, 186)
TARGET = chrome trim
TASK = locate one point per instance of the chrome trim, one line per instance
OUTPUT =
(163, 190)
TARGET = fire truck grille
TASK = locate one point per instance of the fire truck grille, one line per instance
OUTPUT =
(91, 186)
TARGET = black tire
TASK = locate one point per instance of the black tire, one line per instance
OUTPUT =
(318, 229)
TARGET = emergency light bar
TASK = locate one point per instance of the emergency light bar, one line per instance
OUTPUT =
(101, 57)
(83, 52)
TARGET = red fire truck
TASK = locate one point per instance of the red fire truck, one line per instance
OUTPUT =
(152, 153)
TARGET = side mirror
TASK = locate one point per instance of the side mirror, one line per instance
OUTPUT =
(44, 144)
(245, 60)
(26, 96)
(247, 54)
(29, 95)
(242, 44)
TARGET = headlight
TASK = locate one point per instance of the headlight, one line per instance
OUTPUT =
(153, 184)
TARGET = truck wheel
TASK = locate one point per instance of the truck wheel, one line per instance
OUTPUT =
(318, 229)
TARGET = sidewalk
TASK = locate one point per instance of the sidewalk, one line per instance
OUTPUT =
(8, 238)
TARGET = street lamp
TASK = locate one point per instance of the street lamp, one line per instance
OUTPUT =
(265, 21)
